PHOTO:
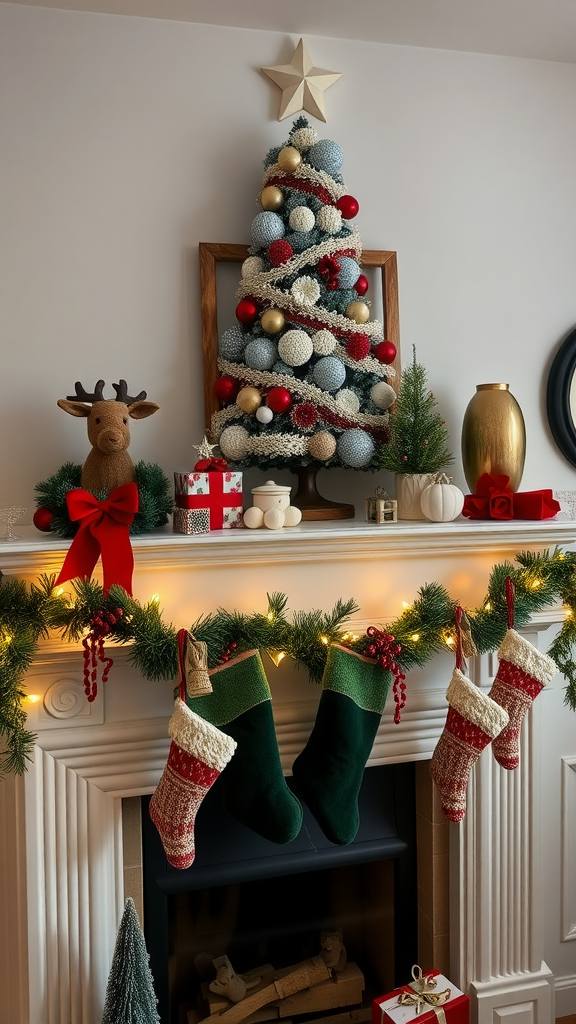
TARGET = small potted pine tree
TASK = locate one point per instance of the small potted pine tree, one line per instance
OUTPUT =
(417, 448)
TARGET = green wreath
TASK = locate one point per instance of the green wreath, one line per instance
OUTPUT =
(155, 501)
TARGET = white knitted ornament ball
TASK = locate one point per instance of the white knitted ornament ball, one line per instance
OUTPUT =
(355, 448)
(322, 446)
(232, 344)
(303, 138)
(349, 272)
(292, 516)
(326, 155)
(253, 517)
(329, 373)
(323, 342)
(306, 290)
(274, 518)
(252, 266)
(347, 400)
(295, 348)
(382, 395)
(261, 354)
(302, 219)
(234, 443)
(264, 414)
(267, 227)
(329, 219)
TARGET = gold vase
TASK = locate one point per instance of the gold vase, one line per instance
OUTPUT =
(493, 436)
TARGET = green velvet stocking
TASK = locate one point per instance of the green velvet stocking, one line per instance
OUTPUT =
(329, 770)
(253, 786)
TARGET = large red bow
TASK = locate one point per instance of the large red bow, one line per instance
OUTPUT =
(494, 499)
(211, 465)
(104, 529)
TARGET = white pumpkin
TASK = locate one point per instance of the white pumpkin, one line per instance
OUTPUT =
(442, 501)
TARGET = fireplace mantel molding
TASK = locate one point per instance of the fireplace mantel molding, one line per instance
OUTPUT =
(61, 847)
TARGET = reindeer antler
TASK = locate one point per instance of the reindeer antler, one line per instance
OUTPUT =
(122, 395)
(83, 396)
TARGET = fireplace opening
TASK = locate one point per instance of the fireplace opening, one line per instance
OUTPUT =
(262, 904)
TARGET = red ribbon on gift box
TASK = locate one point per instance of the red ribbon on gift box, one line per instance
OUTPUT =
(495, 499)
(104, 530)
(211, 466)
(217, 499)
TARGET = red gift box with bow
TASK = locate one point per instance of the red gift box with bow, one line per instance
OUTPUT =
(429, 998)
(213, 486)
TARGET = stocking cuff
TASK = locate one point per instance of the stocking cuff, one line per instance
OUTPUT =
(201, 739)
(474, 705)
(520, 652)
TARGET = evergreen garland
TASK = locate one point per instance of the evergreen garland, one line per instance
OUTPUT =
(418, 435)
(155, 502)
(427, 627)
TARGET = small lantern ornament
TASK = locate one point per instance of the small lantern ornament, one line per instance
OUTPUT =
(442, 501)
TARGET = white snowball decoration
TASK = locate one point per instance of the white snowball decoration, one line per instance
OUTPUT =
(355, 448)
(306, 290)
(267, 227)
(303, 138)
(252, 265)
(323, 342)
(329, 373)
(234, 442)
(253, 518)
(261, 354)
(295, 348)
(274, 518)
(292, 516)
(382, 395)
(302, 219)
(329, 219)
(349, 272)
(232, 344)
(347, 400)
(326, 155)
(264, 414)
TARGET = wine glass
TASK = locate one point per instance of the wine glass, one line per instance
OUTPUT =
(9, 514)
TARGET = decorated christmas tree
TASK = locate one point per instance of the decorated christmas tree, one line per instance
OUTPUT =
(130, 997)
(304, 374)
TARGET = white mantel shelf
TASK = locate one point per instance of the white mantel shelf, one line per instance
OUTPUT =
(310, 542)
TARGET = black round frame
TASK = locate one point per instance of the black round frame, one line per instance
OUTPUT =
(558, 398)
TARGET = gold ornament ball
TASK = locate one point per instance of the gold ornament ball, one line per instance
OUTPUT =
(272, 321)
(322, 445)
(359, 312)
(249, 399)
(289, 158)
(271, 198)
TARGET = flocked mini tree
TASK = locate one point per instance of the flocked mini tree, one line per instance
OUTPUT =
(130, 997)
(304, 374)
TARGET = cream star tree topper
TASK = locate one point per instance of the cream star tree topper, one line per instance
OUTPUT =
(303, 86)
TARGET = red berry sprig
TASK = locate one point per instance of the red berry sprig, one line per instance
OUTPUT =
(101, 625)
(228, 653)
(385, 650)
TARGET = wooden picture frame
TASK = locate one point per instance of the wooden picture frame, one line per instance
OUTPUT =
(212, 253)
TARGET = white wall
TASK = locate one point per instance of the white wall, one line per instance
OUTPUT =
(125, 142)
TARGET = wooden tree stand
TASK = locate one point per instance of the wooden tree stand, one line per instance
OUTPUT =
(311, 503)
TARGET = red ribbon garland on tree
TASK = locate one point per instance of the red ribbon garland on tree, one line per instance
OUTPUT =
(385, 650)
(100, 625)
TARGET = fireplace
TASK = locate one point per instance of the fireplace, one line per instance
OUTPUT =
(61, 854)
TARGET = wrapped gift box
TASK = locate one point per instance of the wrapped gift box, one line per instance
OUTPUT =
(191, 520)
(455, 1010)
(220, 492)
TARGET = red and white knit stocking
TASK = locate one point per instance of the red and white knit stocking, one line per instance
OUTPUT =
(522, 673)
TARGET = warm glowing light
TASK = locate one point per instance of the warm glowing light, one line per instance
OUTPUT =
(325, 640)
(487, 607)
(450, 641)
(33, 698)
(270, 616)
(535, 584)
(355, 636)
(155, 599)
(7, 637)
(60, 591)
(568, 613)
(415, 637)
(405, 605)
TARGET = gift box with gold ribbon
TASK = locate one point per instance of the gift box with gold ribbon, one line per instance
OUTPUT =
(429, 998)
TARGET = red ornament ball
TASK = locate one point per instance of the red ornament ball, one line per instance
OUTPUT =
(43, 519)
(279, 400)
(358, 346)
(304, 415)
(247, 311)
(361, 286)
(385, 352)
(279, 252)
(226, 388)
(348, 207)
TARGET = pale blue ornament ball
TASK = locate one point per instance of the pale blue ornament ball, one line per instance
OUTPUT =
(326, 156)
(267, 227)
(232, 345)
(261, 354)
(349, 272)
(329, 373)
(355, 448)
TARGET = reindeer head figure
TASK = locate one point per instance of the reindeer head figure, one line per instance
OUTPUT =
(108, 464)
